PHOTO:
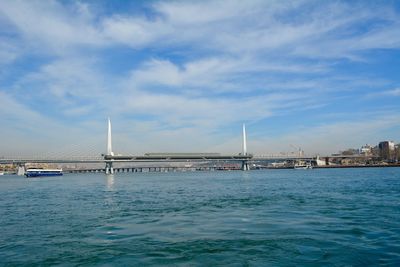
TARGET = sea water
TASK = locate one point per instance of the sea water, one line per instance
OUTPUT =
(320, 217)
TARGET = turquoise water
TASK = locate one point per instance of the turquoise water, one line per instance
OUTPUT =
(343, 217)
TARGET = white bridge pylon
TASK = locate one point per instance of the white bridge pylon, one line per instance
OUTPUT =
(109, 142)
(110, 158)
(109, 167)
(245, 164)
(244, 140)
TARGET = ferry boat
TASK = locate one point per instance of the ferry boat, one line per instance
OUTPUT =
(43, 172)
(305, 166)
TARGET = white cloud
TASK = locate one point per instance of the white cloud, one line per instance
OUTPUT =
(180, 110)
(157, 72)
(330, 137)
(67, 81)
(14, 111)
(201, 66)
(391, 93)
(394, 92)
(49, 25)
(235, 26)
(29, 133)
(8, 52)
(133, 32)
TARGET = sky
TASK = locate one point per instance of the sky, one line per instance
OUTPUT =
(183, 76)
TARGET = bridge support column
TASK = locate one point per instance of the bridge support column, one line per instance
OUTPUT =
(21, 170)
(109, 168)
(245, 165)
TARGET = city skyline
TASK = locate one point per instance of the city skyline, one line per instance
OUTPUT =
(184, 76)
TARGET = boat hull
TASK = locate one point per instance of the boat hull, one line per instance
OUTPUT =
(43, 172)
(303, 168)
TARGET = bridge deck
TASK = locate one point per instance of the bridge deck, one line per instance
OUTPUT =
(122, 158)
(169, 158)
(177, 157)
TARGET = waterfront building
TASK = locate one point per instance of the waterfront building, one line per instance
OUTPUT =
(366, 150)
(7, 168)
(350, 151)
(387, 150)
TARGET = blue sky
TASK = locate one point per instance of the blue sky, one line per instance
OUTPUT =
(182, 76)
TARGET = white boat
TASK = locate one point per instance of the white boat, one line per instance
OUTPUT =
(43, 172)
(305, 166)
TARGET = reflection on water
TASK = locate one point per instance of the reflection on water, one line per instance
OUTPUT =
(110, 182)
(246, 175)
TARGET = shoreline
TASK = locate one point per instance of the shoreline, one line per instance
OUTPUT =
(357, 166)
(340, 166)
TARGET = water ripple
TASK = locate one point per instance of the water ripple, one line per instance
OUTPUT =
(287, 218)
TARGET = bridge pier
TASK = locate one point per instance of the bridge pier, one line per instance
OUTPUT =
(21, 170)
(109, 167)
(245, 165)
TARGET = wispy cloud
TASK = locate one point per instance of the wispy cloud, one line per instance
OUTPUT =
(195, 68)
(394, 92)
(331, 137)
(384, 93)
(48, 24)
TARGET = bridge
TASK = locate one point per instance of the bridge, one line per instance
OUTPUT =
(109, 159)
(242, 160)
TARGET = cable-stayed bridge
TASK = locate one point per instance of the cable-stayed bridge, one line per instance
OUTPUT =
(110, 158)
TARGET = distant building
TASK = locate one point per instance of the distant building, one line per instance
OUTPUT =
(366, 150)
(387, 150)
(375, 151)
(347, 161)
(350, 151)
(397, 149)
